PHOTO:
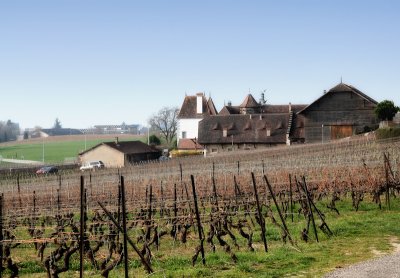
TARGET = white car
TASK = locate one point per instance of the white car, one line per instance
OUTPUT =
(92, 165)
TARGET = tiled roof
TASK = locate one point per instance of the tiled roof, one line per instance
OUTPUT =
(267, 109)
(244, 129)
(189, 144)
(189, 108)
(229, 110)
(249, 102)
(128, 147)
(211, 107)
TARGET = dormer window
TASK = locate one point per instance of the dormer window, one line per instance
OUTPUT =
(216, 127)
(247, 126)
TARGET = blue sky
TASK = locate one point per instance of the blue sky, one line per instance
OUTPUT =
(105, 62)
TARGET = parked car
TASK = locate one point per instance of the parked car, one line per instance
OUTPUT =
(163, 158)
(47, 170)
(92, 165)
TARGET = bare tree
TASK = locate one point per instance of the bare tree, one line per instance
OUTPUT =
(166, 122)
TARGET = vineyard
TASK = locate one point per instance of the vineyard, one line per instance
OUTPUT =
(129, 221)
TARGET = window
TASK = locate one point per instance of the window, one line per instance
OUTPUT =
(225, 132)
(183, 134)
(268, 132)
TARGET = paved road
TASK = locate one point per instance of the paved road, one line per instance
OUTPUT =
(384, 267)
(21, 161)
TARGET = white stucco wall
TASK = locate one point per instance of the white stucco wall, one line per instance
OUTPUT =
(191, 126)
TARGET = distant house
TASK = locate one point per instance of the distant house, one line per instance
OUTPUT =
(193, 110)
(251, 125)
(115, 129)
(341, 112)
(120, 154)
(45, 132)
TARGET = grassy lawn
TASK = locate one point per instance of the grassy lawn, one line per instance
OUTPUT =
(54, 151)
(357, 236)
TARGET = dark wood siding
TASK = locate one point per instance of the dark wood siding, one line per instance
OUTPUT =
(321, 119)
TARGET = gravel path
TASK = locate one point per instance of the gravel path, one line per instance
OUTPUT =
(387, 266)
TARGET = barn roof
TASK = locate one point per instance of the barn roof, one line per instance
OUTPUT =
(127, 147)
(341, 87)
(282, 108)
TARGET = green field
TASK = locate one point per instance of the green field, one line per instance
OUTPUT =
(54, 151)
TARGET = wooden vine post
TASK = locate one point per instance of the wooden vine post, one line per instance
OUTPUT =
(237, 191)
(387, 165)
(279, 210)
(124, 225)
(214, 189)
(19, 192)
(199, 227)
(149, 214)
(310, 207)
(291, 196)
(162, 200)
(142, 259)
(175, 213)
(82, 227)
(1, 235)
(260, 216)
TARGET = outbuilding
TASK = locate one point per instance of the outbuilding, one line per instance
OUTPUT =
(343, 111)
(120, 154)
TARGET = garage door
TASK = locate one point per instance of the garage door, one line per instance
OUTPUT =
(341, 131)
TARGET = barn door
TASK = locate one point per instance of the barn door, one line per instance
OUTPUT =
(341, 131)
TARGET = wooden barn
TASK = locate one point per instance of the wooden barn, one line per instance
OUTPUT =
(341, 112)
(120, 154)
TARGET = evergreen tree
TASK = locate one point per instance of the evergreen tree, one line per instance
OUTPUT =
(57, 124)
(385, 110)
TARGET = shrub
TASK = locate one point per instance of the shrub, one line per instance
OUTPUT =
(153, 139)
(389, 132)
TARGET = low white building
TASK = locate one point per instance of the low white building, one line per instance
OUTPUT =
(193, 110)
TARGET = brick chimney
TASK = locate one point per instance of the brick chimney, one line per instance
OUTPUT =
(199, 103)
